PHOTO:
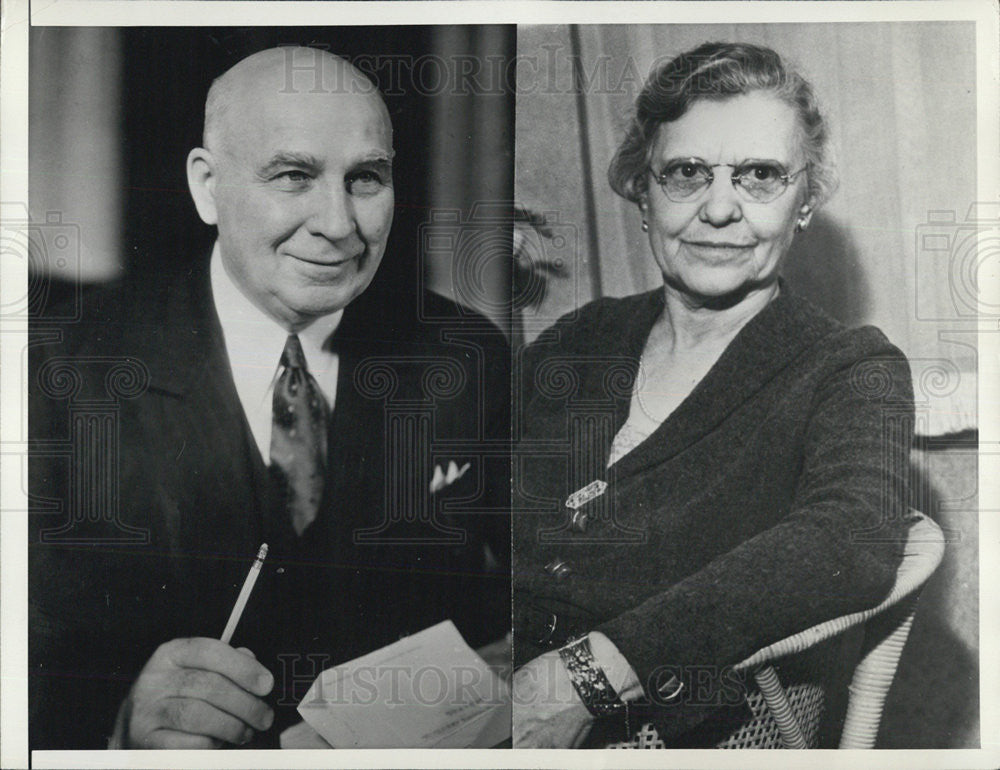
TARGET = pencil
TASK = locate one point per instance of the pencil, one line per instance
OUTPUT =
(244, 597)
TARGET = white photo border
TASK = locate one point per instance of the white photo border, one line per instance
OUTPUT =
(14, 25)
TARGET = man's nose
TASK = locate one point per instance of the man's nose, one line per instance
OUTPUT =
(332, 216)
(721, 204)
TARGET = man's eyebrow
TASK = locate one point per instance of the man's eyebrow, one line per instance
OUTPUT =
(379, 156)
(283, 159)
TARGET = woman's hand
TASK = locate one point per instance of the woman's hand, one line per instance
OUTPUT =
(548, 713)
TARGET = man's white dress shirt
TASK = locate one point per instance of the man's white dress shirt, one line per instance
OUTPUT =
(254, 343)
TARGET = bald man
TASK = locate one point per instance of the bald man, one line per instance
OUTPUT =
(299, 183)
(364, 444)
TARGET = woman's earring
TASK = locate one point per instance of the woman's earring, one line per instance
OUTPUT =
(645, 226)
(803, 221)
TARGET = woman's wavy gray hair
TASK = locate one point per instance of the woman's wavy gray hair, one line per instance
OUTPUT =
(719, 71)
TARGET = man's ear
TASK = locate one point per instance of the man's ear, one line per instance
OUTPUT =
(202, 178)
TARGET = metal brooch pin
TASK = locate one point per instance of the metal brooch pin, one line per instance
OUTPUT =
(583, 496)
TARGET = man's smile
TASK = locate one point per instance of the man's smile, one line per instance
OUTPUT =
(328, 263)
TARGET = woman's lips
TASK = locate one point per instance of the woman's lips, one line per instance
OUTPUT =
(721, 244)
(717, 250)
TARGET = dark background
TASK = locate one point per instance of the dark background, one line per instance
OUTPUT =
(164, 76)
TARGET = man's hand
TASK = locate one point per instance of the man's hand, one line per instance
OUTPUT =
(195, 694)
(548, 713)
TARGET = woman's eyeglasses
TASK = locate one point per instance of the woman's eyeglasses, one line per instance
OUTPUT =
(756, 181)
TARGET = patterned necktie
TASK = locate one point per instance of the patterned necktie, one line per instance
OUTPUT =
(298, 436)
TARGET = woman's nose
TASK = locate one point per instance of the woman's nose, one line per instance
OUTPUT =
(333, 212)
(721, 204)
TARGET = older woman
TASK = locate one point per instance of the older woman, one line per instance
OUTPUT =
(713, 465)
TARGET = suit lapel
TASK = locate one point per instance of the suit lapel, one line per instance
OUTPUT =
(357, 433)
(191, 384)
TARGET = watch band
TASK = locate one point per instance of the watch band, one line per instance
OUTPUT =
(589, 679)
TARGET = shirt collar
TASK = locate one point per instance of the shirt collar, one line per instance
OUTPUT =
(254, 340)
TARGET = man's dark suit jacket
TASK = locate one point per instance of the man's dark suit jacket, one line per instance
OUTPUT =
(773, 498)
(150, 499)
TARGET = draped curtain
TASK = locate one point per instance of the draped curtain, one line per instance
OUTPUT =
(472, 171)
(893, 248)
(75, 169)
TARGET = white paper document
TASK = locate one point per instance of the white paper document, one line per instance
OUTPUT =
(429, 690)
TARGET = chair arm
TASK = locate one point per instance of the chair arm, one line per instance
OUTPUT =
(885, 637)
(921, 556)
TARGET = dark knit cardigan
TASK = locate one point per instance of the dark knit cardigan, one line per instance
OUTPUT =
(772, 499)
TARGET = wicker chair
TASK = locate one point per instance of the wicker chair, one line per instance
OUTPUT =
(789, 718)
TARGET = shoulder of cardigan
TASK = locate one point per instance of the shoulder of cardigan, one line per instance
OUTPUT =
(770, 342)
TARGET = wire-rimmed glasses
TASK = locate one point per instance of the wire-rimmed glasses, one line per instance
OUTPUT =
(756, 181)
